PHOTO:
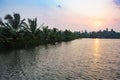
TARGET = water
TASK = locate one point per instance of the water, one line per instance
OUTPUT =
(82, 59)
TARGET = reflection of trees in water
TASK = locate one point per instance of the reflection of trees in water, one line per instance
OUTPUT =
(10, 63)
(18, 65)
(14, 67)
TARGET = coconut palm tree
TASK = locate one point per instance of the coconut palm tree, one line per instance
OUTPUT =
(14, 21)
(13, 25)
(32, 27)
(67, 35)
(0, 32)
(4, 30)
(53, 35)
(45, 34)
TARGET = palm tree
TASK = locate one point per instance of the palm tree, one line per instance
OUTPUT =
(45, 34)
(32, 27)
(14, 21)
(59, 36)
(53, 35)
(67, 35)
(13, 25)
(0, 33)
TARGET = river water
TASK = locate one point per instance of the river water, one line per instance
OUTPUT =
(81, 59)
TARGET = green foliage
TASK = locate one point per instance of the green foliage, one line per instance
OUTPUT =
(16, 33)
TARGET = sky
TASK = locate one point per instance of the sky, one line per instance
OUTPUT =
(76, 15)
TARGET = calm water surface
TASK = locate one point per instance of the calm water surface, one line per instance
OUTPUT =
(82, 59)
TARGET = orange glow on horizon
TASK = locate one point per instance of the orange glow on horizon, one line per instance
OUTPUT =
(97, 23)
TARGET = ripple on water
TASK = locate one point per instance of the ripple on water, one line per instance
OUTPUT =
(82, 59)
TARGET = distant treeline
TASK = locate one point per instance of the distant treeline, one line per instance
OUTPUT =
(20, 33)
(101, 34)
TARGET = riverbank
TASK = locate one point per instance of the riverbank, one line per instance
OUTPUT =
(21, 33)
(18, 33)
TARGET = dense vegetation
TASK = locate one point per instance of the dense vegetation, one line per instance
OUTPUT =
(20, 33)
(101, 34)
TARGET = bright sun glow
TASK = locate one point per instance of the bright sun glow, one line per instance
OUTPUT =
(75, 15)
(97, 24)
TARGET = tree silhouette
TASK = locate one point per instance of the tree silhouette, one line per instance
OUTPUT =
(13, 25)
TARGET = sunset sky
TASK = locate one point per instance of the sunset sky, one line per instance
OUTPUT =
(75, 15)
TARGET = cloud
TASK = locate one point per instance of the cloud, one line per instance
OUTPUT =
(117, 2)
(59, 6)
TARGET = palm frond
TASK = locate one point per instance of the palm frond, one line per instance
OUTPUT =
(32, 25)
(9, 18)
(41, 25)
(22, 22)
(8, 26)
(1, 22)
(16, 20)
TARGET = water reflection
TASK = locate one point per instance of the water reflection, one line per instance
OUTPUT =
(96, 47)
(96, 50)
(86, 59)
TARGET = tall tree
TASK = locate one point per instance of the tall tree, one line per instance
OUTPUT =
(13, 25)
(32, 27)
